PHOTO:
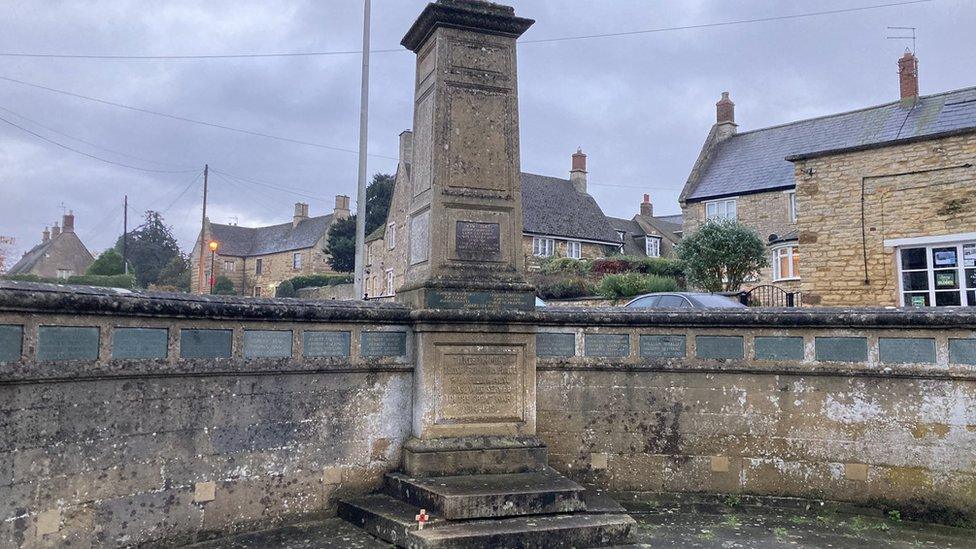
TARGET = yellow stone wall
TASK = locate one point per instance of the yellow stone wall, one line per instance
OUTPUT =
(588, 250)
(910, 190)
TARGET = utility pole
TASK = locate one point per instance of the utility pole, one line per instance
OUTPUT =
(363, 134)
(203, 226)
(125, 234)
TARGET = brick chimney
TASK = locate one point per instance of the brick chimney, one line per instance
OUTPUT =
(908, 76)
(68, 222)
(647, 209)
(725, 110)
(46, 235)
(341, 210)
(301, 213)
(578, 174)
(55, 230)
(406, 147)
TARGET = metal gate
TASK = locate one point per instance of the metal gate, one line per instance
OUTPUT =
(768, 295)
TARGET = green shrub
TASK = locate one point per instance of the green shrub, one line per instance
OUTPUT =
(107, 264)
(286, 289)
(316, 280)
(25, 278)
(562, 287)
(224, 286)
(661, 266)
(565, 265)
(616, 286)
(111, 281)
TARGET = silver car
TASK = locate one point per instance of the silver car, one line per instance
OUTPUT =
(684, 300)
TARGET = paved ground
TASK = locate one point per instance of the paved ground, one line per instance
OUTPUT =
(685, 525)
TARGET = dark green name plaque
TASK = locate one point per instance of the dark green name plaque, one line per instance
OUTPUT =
(719, 347)
(555, 345)
(206, 343)
(11, 343)
(779, 348)
(267, 343)
(842, 349)
(383, 344)
(67, 343)
(476, 241)
(323, 344)
(908, 350)
(663, 346)
(962, 351)
(140, 343)
(457, 299)
(607, 345)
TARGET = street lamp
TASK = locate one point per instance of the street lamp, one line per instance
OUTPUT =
(213, 256)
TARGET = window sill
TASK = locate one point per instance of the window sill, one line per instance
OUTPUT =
(794, 279)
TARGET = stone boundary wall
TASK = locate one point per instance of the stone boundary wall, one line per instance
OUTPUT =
(129, 418)
(875, 407)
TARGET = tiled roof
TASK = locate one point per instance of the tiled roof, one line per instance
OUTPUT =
(551, 206)
(31, 258)
(633, 232)
(670, 222)
(250, 241)
(756, 160)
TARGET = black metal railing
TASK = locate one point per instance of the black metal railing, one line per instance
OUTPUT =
(768, 295)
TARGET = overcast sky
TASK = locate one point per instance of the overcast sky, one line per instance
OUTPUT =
(639, 106)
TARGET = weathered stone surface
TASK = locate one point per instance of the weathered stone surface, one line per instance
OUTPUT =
(842, 349)
(11, 343)
(779, 348)
(326, 343)
(962, 351)
(196, 343)
(551, 345)
(132, 343)
(606, 345)
(67, 343)
(719, 347)
(567, 530)
(267, 343)
(382, 344)
(474, 456)
(906, 350)
(663, 346)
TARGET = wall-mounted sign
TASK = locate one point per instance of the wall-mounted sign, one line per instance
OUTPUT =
(944, 257)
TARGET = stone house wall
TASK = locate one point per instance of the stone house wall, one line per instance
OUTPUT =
(910, 190)
(766, 213)
(588, 250)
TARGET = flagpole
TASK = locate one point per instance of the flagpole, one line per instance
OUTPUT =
(363, 134)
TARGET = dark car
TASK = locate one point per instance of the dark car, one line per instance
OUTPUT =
(686, 300)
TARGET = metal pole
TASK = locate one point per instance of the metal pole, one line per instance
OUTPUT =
(213, 277)
(203, 227)
(125, 235)
(363, 134)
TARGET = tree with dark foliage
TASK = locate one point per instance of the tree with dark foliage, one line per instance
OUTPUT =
(151, 246)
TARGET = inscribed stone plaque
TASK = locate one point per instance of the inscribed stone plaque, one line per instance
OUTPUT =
(383, 344)
(478, 148)
(962, 351)
(423, 145)
(267, 343)
(719, 347)
(896, 350)
(456, 299)
(140, 343)
(11, 343)
(420, 237)
(478, 385)
(842, 349)
(206, 343)
(67, 343)
(323, 344)
(555, 345)
(607, 345)
(478, 241)
(779, 348)
(662, 346)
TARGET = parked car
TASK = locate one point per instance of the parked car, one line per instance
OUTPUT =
(686, 300)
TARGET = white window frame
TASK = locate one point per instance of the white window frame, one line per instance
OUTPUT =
(65, 274)
(791, 204)
(391, 235)
(229, 266)
(258, 266)
(574, 249)
(389, 282)
(542, 247)
(622, 235)
(930, 269)
(726, 208)
(652, 246)
(256, 291)
(788, 251)
(296, 260)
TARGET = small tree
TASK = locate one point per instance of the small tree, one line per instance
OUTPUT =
(150, 247)
(176, 273)
(379, 194)
(224, 286)
(107, 264)
(286, 289)
(341, 245)
(720, 255)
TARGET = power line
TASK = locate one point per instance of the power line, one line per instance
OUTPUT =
(185, 119)
(400, 50)
(72, 149)
(276, 187)
(187, 188)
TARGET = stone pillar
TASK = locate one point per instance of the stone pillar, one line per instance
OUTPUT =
(465, 214)
(475, 383)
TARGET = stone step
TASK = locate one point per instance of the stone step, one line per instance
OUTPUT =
(487, 496)
(474, 456)
(384, 517)
(568, 530)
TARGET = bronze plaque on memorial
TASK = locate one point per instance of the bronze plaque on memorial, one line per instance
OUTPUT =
(478, 241)
(478, 385)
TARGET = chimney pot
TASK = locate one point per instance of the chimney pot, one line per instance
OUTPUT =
(725, 110)
(908, 75)
(68, 222)
(46, 235)
(341, 210)
(406, 147)
(578, 174)
(55, 231)
(646, 208)
(301, 213)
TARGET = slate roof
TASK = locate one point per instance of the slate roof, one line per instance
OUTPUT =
(551, 206)
(31, 258)
(754, 161)
(670, 222)
(633, 230)
(251, 241)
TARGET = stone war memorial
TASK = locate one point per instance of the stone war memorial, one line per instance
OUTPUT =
(462, 415)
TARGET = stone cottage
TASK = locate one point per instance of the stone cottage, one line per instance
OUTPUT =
(645, 235)
(869, 207)
(258, 259)
(61, 254)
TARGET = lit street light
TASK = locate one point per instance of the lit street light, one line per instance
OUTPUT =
(213, 256)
